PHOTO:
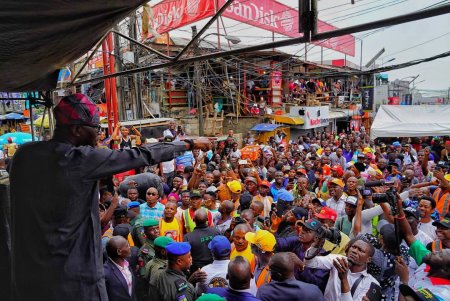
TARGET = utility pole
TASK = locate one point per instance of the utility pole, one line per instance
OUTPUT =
(137, 85)
(197, 86)
(119, 78)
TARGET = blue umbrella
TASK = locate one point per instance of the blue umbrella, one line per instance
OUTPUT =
(14, 116)
(17, 137)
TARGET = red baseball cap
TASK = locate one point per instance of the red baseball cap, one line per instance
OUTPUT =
(302, 170)
(327, 213)
(338, 169)
(264, 183)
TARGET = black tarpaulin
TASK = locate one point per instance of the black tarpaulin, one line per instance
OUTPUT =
(37, 38)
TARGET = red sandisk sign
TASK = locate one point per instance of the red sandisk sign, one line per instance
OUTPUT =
(274, 16)
(266, 14)
(171, 14)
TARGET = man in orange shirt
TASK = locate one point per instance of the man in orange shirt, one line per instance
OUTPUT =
(223, 191)
(236, 190)
(442, 194)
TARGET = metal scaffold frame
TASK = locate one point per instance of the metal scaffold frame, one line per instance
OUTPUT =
(175, 61)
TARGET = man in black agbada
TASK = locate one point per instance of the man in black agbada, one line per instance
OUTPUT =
(56, 249)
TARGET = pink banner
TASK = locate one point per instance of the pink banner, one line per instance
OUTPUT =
(274, 16)
(266, 14)
(172, 14)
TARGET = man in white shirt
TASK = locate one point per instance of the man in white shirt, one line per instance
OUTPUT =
(173, 131)
(216, 272)
(235, 152)
(413, 217)
(168, 167)
(426, 207)
(337, 200)
(348, 279)
(338, 159)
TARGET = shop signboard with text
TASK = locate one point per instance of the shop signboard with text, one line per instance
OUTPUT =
(313, 117)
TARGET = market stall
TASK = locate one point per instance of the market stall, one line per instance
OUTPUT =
(411, 121)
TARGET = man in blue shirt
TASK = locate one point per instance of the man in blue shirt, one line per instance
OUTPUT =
(186, 159)
(277, 185)
(284, 286)
(152, 208)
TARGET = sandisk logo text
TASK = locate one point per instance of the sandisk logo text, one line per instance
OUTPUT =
(254, 13)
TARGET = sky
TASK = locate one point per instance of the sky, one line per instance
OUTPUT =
(403, 43)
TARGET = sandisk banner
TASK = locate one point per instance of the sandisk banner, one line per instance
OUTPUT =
(274, 16)
(266, 14)
(171, 14)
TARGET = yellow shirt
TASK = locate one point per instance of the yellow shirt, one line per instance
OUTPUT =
(10, 149)
(247, 254)
(340, 249)
(172, 229)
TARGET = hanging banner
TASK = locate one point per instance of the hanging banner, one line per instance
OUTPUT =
(172, 14)
(276, 80)
(266, 14)
(407, 100)
(367, 99)
(274, 16)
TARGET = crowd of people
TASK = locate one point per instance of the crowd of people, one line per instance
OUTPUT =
(327, 216)
(299, 88)
(324, 217)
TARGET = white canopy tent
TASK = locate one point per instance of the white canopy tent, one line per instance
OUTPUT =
(411, 121)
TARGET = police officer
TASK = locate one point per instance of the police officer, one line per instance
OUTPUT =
(159, 262)
(136, 223)
(146, 253)
(151, 231)
(172, 283)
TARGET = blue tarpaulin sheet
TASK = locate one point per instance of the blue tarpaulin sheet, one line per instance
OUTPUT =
(265, 127)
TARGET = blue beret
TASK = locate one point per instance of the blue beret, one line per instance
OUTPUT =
(178, 248)
(285, 195)
(133, 204)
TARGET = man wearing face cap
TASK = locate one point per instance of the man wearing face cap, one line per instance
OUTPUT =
(62, 223)
(307, 232)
